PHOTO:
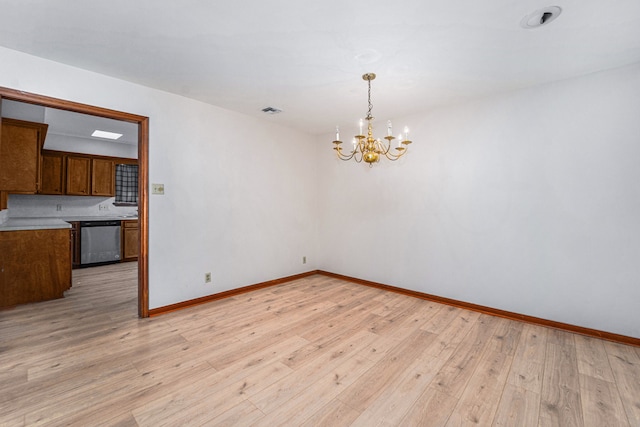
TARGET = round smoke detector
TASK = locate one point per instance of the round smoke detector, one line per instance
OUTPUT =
(540, 17)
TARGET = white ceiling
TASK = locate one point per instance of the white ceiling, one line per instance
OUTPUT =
(66, 123)
(307, 57)
(69, 124)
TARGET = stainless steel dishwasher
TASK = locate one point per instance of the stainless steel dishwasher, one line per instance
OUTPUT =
(99, 242)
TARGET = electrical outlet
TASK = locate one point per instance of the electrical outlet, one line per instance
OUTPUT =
(207, 277)
(58, 207)
(304, 259)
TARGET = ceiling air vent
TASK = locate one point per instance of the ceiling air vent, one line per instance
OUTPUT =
(271, 110)
(540, 17)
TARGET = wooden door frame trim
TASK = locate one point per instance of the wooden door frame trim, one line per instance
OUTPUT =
(143, 172)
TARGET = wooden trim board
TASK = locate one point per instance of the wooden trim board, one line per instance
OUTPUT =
(492, 311)
(228, 294)
(442, 300)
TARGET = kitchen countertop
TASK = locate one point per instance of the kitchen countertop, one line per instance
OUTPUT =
(18, 224)
(99, 218)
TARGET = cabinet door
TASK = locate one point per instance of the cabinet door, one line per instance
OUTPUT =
(103, 177)
(37, 266)
(130, 240)
(52, 173)
(78, 175)
(20, 155)
(75, 244)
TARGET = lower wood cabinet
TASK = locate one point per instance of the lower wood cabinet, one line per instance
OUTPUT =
(130, 240)
(35, 265)
(75, 244)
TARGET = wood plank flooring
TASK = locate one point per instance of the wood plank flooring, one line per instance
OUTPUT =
(313, 352)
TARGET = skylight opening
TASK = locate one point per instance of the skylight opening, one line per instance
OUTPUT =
(105, 134)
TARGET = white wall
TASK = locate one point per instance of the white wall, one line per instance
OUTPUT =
(239, 192)
(527, 202)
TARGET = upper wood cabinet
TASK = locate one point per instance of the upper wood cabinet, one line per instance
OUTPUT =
(103, 177)
(78, 176)
(20, 155)
(53, 173)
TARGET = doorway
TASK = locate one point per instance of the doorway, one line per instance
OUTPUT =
(142, 123)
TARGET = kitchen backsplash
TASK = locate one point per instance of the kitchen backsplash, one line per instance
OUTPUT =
(4, 216)
(39, 206)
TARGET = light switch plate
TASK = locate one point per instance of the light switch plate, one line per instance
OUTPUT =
(157, 188)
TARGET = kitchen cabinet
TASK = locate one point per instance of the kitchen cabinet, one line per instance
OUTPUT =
(53, 173)
(78, 176)
(20, 155)
(75, 244)
(130, 240)
(35, 265)
(103, 177)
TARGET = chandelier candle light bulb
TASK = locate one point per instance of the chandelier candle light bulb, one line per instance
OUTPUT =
(368, 148)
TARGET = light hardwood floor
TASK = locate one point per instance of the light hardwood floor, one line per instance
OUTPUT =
(313, 352)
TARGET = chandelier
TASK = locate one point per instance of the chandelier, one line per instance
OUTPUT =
(368, 148)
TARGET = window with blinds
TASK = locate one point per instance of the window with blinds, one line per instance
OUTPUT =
(127, 185)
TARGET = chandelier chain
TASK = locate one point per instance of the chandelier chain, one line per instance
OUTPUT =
(370, 104)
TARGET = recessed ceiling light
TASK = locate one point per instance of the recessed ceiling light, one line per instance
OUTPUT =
(540, 17)
(105, 134)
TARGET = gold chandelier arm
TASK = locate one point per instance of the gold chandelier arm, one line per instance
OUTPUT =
(386, 149)
(345, 157)
(386, 146)
(393, 157)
